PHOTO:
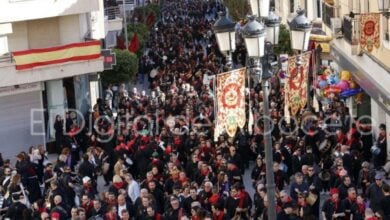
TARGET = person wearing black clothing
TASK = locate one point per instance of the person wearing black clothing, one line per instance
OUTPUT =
(280, 177)
(192, 198)
(60, 208)
(349, 205)
(385, 202)
(86, 168)
(192, 166)
(381, 143)
(287, 212)
(344, 186)
(258, 201)
(17, 208)
(258, 172)
(332, 208)
(374, 192)
(158, 195)
(55, 190)
(235, 158)
(67, 182)
(59, 134)
(296, 161)
(98, 209)
(175, 211)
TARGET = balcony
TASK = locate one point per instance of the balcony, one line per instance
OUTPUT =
(328, 12)
(113, 17)
(351, 30)
(22, 10)
(36, 66)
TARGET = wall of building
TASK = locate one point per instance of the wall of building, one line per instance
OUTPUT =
(68, 31)
(22, 10)
(18, 40)
(97, 23)
(43, 33)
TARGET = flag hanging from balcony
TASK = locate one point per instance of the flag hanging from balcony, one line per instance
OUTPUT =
(120, 44)
(230, 94)
(28, 59)
(134, 44)
(296, 83)
(369, 31)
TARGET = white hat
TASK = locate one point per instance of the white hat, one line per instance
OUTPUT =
(86, 179)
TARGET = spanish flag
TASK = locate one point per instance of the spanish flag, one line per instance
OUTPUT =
(28, 59)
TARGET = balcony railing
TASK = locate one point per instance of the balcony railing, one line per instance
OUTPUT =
(328, 12)
(112, 12)
(351, 30)
(6, 58)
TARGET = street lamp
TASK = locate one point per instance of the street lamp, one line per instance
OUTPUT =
(254, 36)
(260, 8)
(259, 50)
(225, 32)
(272, 27)
(300, 28)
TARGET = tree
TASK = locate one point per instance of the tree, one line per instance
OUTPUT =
(143, 35)
(238, 9)
(284, 45)
(125, 69)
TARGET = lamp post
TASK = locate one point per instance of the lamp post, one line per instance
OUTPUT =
(300, 28)
(224, 30)
(260, 51)
(255, 35)
(125, 23)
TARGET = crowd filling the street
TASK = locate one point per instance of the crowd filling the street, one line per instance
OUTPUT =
(153, 155)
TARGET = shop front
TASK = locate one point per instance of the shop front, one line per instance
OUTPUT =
(373, 79)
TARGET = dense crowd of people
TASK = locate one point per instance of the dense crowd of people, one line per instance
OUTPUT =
(158, 158)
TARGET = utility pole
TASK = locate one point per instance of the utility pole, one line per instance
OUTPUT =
(125, 23)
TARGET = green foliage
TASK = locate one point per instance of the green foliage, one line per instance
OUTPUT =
(238, 9)
(143, 34)
(141, 13)
(126, 67)
(284, 45)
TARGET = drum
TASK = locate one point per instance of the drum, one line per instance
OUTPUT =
(324, 146)
(375, 150)
(153, 73)
(324, 175)
(311, 198)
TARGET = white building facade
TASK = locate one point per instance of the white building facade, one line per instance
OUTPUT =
(31, 98)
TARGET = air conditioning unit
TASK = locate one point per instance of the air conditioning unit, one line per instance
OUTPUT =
(336, 27)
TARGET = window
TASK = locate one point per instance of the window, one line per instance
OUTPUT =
(292, 7)
(385, 29)
(318, 8)
(272, 4)
(366, 6)
(354, 6)
(111, 39)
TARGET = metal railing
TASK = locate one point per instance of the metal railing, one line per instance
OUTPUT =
(328, 12)
(112, 12)
(6, 58)
(351, 30)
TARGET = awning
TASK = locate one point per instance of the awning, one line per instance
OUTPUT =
(363, 68)
(325, 47)
(321, 38)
